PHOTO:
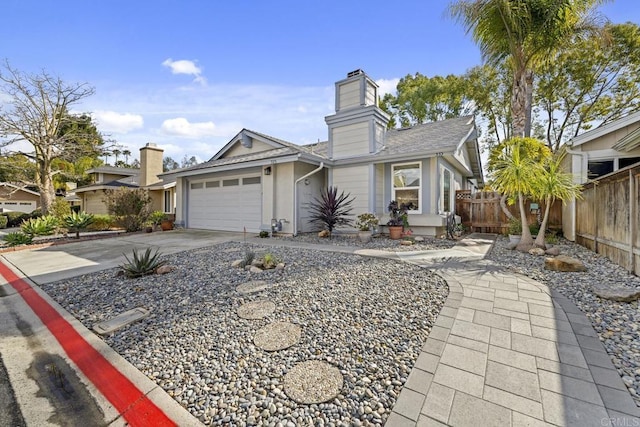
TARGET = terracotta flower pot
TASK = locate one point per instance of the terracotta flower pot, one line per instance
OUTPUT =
(395, 232)
(166, 225)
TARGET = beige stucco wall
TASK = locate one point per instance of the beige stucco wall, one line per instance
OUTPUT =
(283, 188)
(93, 202)
(607, 141)
(350, 140)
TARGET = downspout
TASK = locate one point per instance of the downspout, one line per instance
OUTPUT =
(295, 196)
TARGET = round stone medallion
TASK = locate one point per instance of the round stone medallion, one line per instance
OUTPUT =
(252, 286)
(255, 310)
(313, 382)
(277, 336)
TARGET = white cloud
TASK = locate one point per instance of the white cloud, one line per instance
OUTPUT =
(387, 86)
(182, 127)
(118, 122)
(185, 66)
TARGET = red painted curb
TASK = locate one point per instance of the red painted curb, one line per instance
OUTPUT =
(136, 408)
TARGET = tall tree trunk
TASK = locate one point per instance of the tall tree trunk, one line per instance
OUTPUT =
(505, 209)
(528, 77)
(526, 241)
(45, 187)
(519, 103)
(543, 227)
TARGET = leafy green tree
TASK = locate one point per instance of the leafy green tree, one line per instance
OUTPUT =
(35, 112)
(554, 184)
(526, 33)
(594, 81)
(169, 164)
(188, 161)
(516, 168)
(17, 168)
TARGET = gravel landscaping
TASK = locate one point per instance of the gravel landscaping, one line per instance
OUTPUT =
(367, 317)
(616, 323)
(378, 242)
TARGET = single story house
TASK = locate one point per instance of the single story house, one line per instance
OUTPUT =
(256, 182)
(91, 198)
(17, 198)
(599, 152)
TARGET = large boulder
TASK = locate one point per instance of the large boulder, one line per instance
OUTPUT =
(536, 251)
(620, 294)
(323, 234)
(564, 263)
(553, 251)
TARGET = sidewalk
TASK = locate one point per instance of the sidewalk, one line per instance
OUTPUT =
(507, 351)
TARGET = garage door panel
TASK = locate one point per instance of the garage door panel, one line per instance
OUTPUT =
(230, 208)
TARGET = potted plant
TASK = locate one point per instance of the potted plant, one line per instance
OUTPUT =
(156, 218)
(515, 230)
(365, 223)
(397, 219)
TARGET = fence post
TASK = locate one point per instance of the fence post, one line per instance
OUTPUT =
(632, 220)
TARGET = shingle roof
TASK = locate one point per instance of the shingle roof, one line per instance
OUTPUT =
(276, 152)
(443, 136)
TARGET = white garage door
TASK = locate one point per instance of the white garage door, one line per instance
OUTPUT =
(230, 204)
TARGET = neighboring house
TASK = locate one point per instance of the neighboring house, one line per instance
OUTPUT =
(256, 181)
(91, 198)
(599, 152)
(14, 198)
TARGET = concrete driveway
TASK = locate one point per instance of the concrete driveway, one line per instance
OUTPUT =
(59, 262)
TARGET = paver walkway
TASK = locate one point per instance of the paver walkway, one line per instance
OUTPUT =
(507, 351)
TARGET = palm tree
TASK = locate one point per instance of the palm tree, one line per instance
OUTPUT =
(116, 152)
(126, 153)
(526, 33)
(555, 184)
(515, 169)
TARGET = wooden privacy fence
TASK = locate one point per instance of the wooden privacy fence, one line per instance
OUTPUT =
(608, 215)
(481, 212)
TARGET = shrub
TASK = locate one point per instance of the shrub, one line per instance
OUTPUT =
(366, 221)
(129, 206)
(78, 221)
(36, 213)
(3, 221)
(60, 208)
(263, 234)
(16, 218)
(534, 229)
(269, 260)
(101, 223)
(142, 265)
(331, 209)
(156, 217)
(248, 258)
(41, 226)
(515, 226)
(17, 238)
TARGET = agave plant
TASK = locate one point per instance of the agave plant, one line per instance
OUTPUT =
(332, 209)
(78, 221)
(41, 226)
(17, 238)
(142, 264)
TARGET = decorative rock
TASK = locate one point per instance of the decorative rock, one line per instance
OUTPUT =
(280, 266)
(323, 233)
(620, 295)
(313, 382)
(419, 239)
(554, 251)
(255, 269)
(406, 242)
(237, 263)
(164, 269)
(253, 286)
(256, 309)
(536, 251)
(277, 336)
(512, 246)
(564, 263)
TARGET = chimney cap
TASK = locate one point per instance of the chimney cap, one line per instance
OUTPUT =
(151, 144)
(355, 73)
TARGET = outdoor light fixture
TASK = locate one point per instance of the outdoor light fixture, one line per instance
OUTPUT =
(534, 208)
(267, 170)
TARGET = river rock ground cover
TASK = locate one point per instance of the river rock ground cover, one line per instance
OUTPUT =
(367, 317)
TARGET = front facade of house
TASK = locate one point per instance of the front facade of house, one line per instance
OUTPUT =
(91, 198)
(15, 198)
(599, 152)
(257, 182)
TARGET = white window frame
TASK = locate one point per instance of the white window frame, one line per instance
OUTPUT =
(167, 196)
(419, 188)
(452, 191)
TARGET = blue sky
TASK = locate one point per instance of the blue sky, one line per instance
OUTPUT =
(189, 74)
